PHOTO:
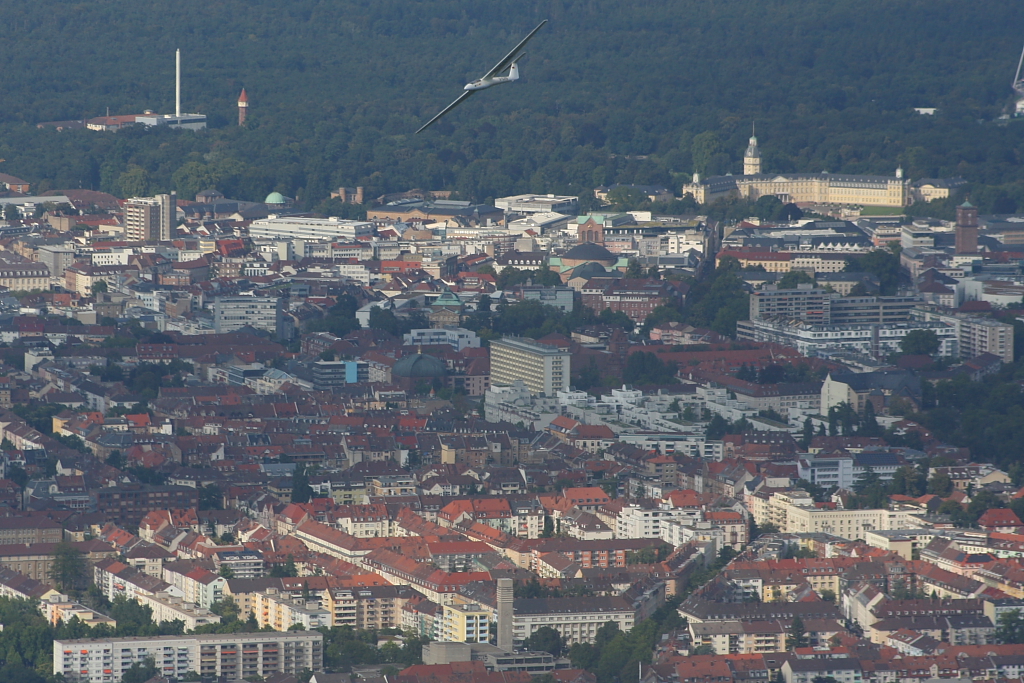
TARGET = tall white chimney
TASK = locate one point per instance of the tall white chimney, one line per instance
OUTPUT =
(177, 82)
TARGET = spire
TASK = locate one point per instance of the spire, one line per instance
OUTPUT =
(752, 157)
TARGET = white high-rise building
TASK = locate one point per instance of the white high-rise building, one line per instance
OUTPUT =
(151, 219)
(543, 368)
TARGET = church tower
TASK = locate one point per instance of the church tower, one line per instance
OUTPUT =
(752, 158)
(966, 229)
(243, 107)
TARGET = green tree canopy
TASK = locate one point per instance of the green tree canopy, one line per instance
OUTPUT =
(545, 639)
(69, 571)
(920, 342)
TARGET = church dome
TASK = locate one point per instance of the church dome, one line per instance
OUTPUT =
(419, 365)
(588, 251)
(588, 270)
(274, 198)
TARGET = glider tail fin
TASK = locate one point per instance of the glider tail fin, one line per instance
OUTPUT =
(513, 72)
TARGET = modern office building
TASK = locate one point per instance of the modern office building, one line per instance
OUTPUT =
(150, 219)
(817, 306)
(868, 310)
(543, 368)
(278, 227)
(231, 313)
(328, 374)
(539, 203)
(231, 656)
(806, 302)
(558, 296)
(56, 257)
(131, 502)
(457, 337)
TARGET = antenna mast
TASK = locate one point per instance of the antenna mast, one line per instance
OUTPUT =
(1018, 84)
(177, 82)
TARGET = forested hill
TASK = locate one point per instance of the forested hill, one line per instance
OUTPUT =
(337, 87)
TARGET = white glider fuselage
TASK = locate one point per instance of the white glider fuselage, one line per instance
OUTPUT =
(488, 81)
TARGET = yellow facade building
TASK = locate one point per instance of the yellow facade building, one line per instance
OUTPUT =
(468, 623)
(801, 188)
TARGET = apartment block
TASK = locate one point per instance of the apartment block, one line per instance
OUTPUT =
(167, 607)
(976, 334)
(871, 339)
(575, 619)
(740, 637)
(244, 564)
(59, 609)
(129, 503)
(150, 219)
(280, 612)
(469, 623)
(544, 369)
(231, 656)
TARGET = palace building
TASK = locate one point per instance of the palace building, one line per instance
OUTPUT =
(801, 188)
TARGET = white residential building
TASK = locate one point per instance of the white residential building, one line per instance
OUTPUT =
(280, 611)
(231, 656)
(457, 337)
(167, 607)
(575, 619)
(875, 340)
(635, 521)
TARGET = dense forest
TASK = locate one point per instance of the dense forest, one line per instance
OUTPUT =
(612, 92)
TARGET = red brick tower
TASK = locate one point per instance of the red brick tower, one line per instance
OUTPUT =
(966, 229)
(243, 107)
